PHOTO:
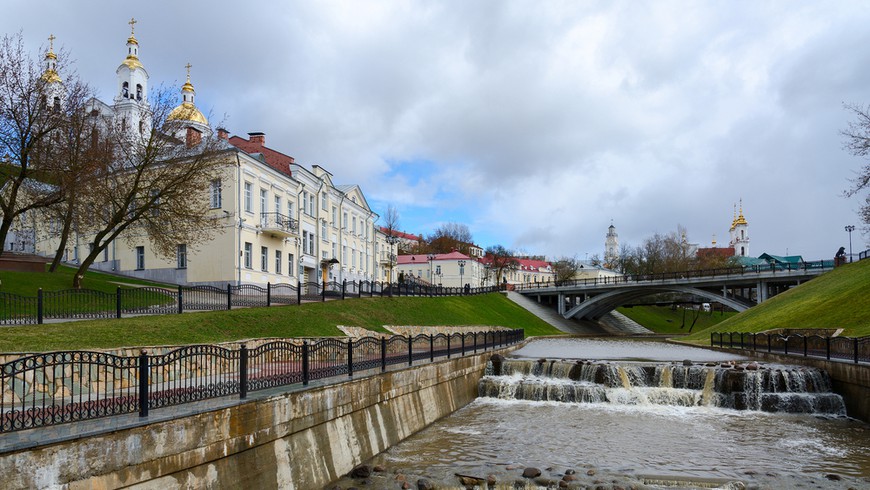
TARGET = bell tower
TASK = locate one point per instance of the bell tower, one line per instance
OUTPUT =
(132, 111)
(611, 246)
(739, 233)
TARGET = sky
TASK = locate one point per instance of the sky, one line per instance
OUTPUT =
(536, 123)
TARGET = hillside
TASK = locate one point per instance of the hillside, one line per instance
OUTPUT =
(838, 299)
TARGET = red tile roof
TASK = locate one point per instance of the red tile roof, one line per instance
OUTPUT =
(274, 159)
(400, 234)
(424, 258)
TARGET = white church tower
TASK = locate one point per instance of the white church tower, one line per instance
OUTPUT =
(131, 109)
(611, 247)
(54, 90)
(739, 233)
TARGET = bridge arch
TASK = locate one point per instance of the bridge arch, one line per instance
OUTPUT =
(601, 304)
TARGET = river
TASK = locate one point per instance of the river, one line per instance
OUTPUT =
(636, 415)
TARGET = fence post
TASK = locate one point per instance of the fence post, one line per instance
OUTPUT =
(475, 342)
(298, 292)
(39, 305)
(463, 344)
(268, 294)
(180, 301)
(768, 342)
(431, 348)
(350, 357)
(243, 372)
(229, 297)
(143, 383)
(448, 346)
(855, 345)
(805, 346)
(410, 350)
(785, 343)
(383, 354)
(828, 348)
(305, 373)
(343, 288)
(118, 302)
(323, 292)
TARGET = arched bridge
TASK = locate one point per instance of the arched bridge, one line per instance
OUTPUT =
(738, 287)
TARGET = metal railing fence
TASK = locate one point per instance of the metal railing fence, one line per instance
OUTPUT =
(59, 387)
(73, 304)
(854, 349)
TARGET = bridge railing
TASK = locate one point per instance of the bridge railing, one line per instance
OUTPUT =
(59, 387)
(683, 275)
(854, 349)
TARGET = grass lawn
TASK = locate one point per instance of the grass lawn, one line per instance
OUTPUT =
(27, 283)
(308, 320)
(663, 319)
(837, 299)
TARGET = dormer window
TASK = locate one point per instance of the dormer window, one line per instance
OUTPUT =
(125, 90)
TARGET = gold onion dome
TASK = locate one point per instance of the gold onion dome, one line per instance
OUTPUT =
(50, 74)
(132, 62)
(187, 112)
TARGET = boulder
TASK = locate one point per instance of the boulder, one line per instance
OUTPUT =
(531, 472)
(424, 484)
(361, 471)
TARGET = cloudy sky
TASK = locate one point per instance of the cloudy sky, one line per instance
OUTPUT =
(536, 123)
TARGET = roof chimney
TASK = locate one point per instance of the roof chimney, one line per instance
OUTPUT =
(193, 137)
(258, 138)
(223, 134)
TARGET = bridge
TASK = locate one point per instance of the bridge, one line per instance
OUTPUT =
(738, 288)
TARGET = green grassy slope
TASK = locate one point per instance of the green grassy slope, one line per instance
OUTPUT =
(662, 319)
(311, 319)
(27, 283)
(838, 299)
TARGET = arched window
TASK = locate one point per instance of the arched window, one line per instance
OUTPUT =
(743, 251)
(57, 104)
(742, 234)
(138, 92)
(141, 126)
(125, 90)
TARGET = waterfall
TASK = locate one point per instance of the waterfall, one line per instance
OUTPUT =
(753, 387)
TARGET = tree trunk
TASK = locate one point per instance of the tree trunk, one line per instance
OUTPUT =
(64, 237)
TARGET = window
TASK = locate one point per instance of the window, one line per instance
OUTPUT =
(181, 256)
(334, 249)
(249, 250)
(289, 208)
(290, 262)
(264, 259)
(323, 229)
(353, 258)
(344, 221)
(308, 242)
(140, 258)
(125, 90)
(354, 225)
(277, 261)
(249, 198)
(361, 261)
(334, 217)
(106, 254)
(264, 196)
(344, 254)
(311, 204)
(305, 203)
(323, 201)
(277, 204)
(304, 242)
(311, 243)
(138, 92)
(216, 194)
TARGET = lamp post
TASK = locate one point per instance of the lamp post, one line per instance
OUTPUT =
(392, 240)
(461, 272)
(850, 229)
(431, 258)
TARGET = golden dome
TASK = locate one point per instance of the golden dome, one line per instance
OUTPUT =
(51, 76)
(132, 40)
(187, 87)
(187, 112)
(132, 62)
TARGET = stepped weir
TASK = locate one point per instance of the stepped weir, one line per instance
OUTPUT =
(752, 386)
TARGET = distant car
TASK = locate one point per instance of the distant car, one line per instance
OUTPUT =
(705, 306)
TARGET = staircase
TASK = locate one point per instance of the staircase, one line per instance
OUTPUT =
(555, 319)
(615, 323)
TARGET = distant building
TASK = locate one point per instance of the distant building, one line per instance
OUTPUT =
(453, 270)
(611, 247)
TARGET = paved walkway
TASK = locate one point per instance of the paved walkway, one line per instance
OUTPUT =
(555, 319)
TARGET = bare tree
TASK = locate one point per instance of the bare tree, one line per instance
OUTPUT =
(390, 227)
(33, 116)
(501, 260)
(155, 187)
(449, 237)
(857, 135)
(565, 268)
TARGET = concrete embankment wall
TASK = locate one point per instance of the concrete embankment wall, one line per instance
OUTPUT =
(299, 440)
(849, 380)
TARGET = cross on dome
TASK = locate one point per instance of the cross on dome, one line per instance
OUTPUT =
(132, 23)
(51, 39)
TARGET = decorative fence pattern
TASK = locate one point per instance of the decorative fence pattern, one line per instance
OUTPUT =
(855, 349)
(73, 304)
(60, 387)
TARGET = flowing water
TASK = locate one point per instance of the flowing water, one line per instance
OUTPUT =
(623, 414)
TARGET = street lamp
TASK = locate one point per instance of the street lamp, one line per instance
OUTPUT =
(850, 229)
(392, 240)
(431, 258)
(461, 272)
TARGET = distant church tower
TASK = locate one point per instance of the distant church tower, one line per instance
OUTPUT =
(739, 233)
(54, 90)
(611, 247)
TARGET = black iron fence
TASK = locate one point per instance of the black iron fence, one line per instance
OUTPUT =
(855, 349)
(688, 274)
(60, 387)
(90, 304)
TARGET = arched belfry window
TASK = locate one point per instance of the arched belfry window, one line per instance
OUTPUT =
(56, 104)
(138, 92)
(125, 90)
(742, 236)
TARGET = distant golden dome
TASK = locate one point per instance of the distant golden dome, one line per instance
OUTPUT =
(187, 112)
(132, 62)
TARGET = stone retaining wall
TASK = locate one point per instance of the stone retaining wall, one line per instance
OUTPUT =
(298, 440)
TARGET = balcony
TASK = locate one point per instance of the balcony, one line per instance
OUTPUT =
(389, 259)
(278, 225)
